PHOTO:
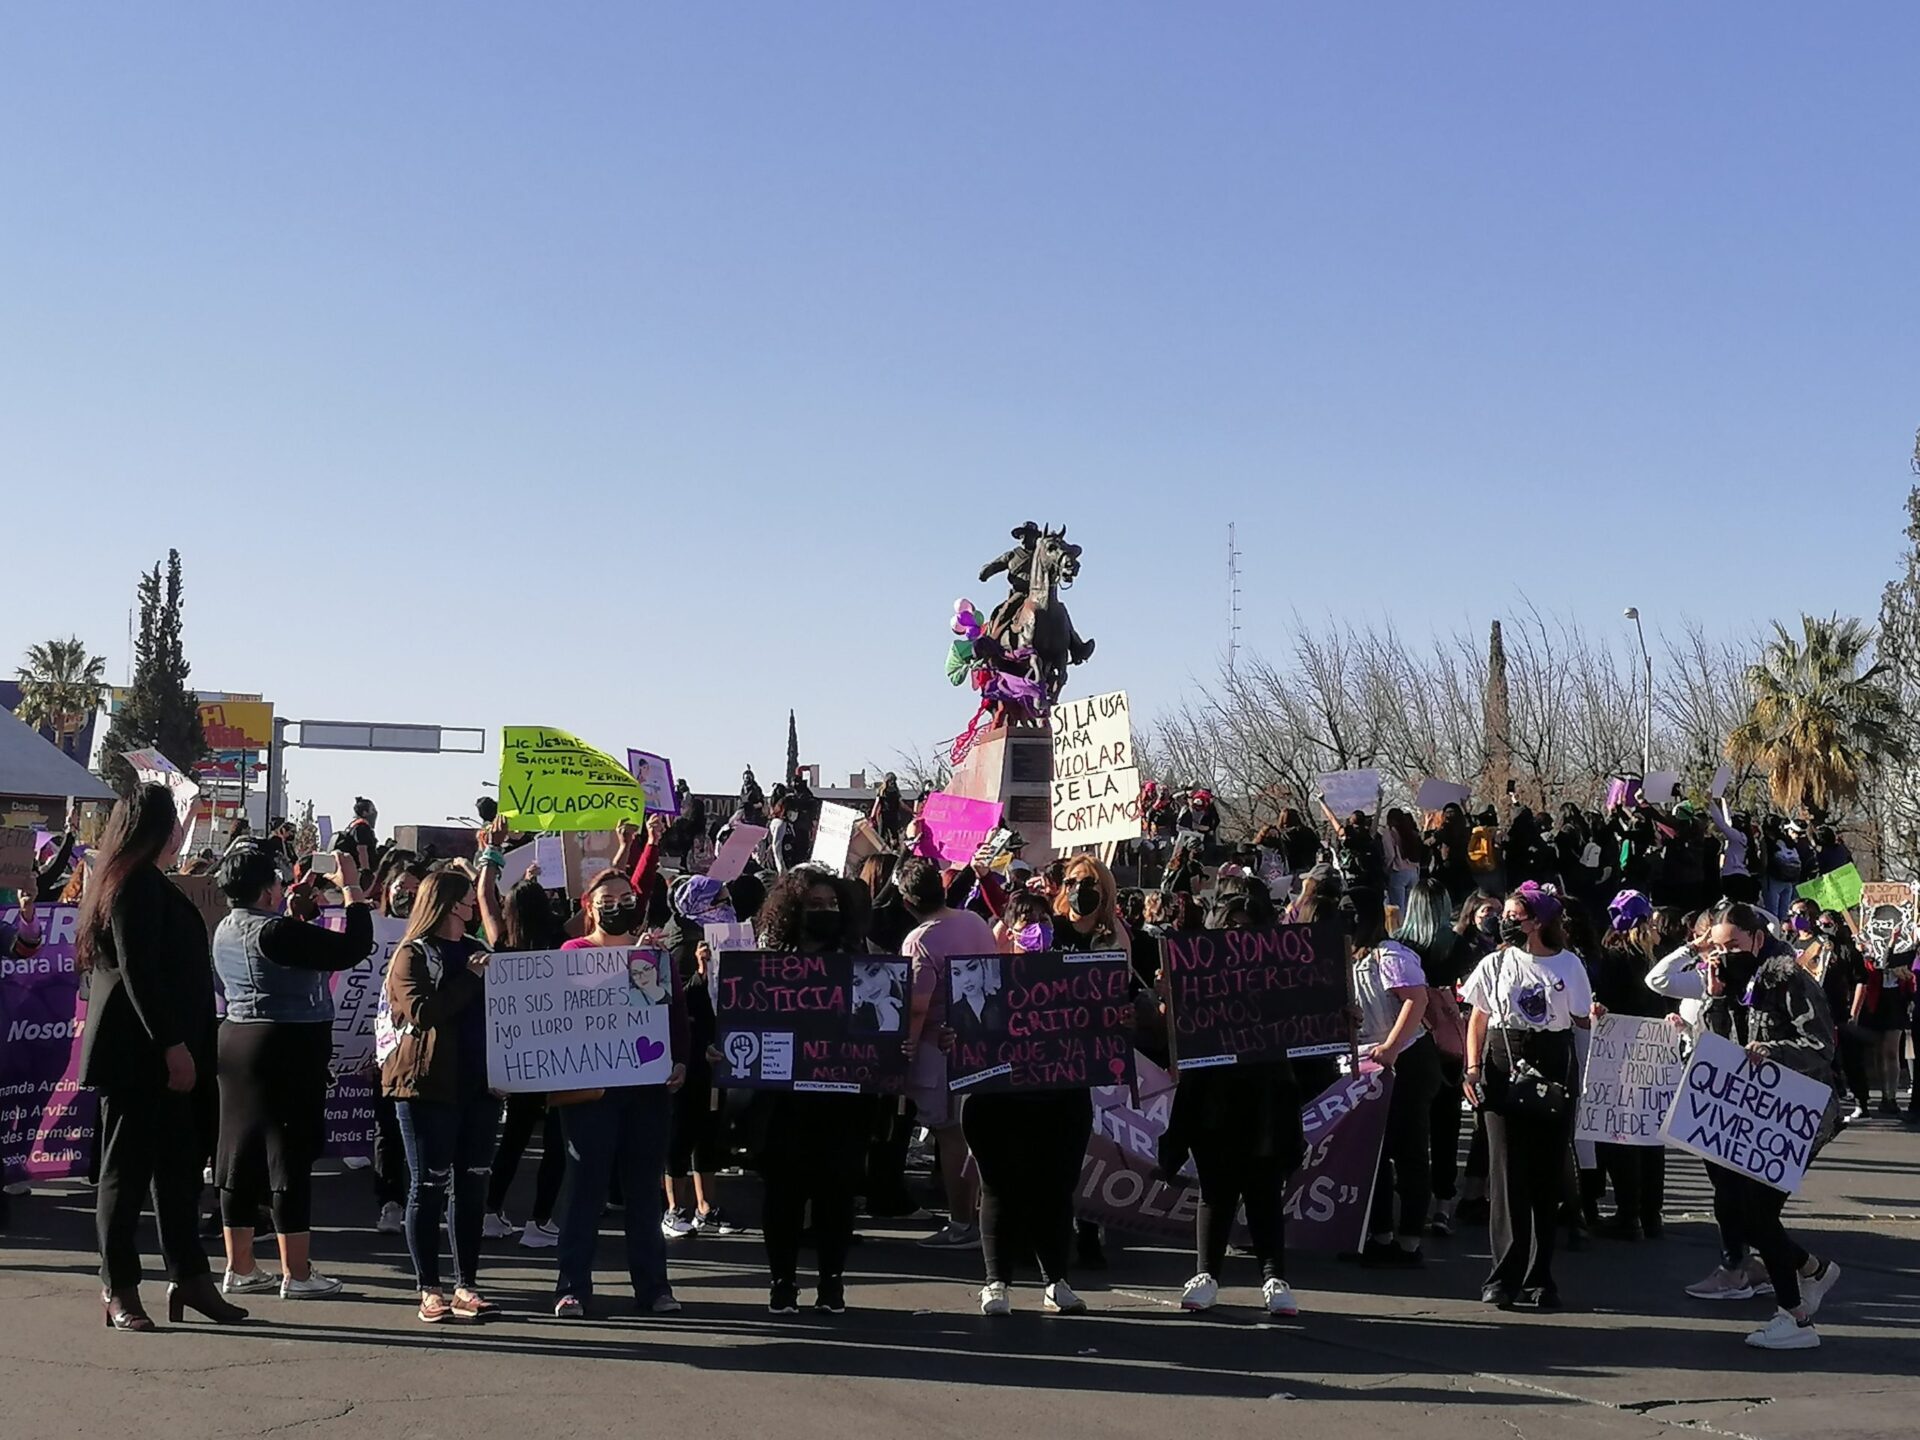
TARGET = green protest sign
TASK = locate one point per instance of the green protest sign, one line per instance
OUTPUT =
(1836, 890)
(549, 780)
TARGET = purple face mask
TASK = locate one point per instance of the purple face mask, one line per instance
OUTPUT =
(1034, 938)
(1801, 924)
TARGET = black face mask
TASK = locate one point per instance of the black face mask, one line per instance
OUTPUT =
(820, 927)
(1488, 925)
(1512, 932)
(622, 919)
(1086, 899)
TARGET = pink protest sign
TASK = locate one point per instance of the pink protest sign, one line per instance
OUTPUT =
(952, 827)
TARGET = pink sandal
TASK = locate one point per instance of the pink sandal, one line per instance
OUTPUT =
(434, 1308)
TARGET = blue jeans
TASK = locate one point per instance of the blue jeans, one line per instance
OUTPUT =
(1399, 884)
(624, 1132)
(450, 1159)
(1779, 896)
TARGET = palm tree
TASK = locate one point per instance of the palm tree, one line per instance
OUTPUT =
(1819, 724)
(59, 685)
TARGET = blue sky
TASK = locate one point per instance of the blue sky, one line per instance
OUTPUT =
(645, 370)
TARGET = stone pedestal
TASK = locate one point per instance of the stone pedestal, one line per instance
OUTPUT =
(1013, 763)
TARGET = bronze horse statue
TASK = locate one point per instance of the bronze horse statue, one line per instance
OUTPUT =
(1033, 618)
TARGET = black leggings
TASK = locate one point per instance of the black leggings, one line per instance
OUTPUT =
(273, 1101)
(1857, 1044)
(795, 1179)
(1639, 1176)
(1443, 1129)
(1228, 1176)
(1406, 1156)
(1028, 1148)
(1755, 1210)
(693, 1144)
(524, 1114)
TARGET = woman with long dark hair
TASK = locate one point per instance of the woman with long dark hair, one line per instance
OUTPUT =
(1639, 935)
(809, 1149)
(149, 1050)
(1027, 1147)
(436, 1075)
(1406, 855)
(1241, 1126)
(524, 920)
(1527, 998)
(276, 1044)
(623, 1132)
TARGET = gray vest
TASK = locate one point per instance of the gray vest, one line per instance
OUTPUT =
(257, 989)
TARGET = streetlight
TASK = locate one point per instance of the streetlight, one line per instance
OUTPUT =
(1646, 747)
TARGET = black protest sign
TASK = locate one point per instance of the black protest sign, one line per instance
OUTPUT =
(1243, 996)
(819, 1024)
(1051, 1021)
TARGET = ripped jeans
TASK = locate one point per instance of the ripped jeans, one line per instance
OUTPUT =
(450, 1159)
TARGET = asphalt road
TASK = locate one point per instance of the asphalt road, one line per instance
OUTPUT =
(1411, 1352)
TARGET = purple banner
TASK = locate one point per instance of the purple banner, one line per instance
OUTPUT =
(1327, 1198)
(350, 1122)
(46, 1119)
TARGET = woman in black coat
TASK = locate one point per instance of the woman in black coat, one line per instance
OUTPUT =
(149, 1052)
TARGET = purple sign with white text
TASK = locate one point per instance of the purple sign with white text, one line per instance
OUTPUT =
(46, 1119)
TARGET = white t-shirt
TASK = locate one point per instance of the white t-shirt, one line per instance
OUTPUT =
(1518, 990)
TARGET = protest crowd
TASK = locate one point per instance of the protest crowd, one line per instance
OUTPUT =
(1486, 969)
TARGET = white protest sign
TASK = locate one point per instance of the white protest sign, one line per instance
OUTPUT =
(1437, 794)
(579, 1019)
(153, 768)
(833, 835)
(1754, 1117)
(1658, 787)
(548, 851)
(1633, 1072)
(1722, 778)
(1346, 791)
(732, 857)
(725, 935)
(323, 827)
(356, 992)
(1096, 784)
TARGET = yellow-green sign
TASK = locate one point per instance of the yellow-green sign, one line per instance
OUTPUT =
(550, 780)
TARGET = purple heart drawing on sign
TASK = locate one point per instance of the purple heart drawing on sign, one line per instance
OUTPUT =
(647, 1050)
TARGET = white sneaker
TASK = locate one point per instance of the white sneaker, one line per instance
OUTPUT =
(1280, 1299)
(1060, 1300)
(498, 1227)
(1814, 1289)
(357, 1162)
(393, 1219)
(676, 1224)
(539, 1237)
(315, 1287)
(1723, 1284)
(252, 1282)
(1200, 1293)
(1859, 1112)
(994, 1301)
(16, 1187)
(1783, 1332)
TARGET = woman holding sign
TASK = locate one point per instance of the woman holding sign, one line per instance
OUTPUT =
(1027, 1145)
(1527, 997)
(624, 1130)
(809, 1149)
(1758, 995)
(1241, 1124)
